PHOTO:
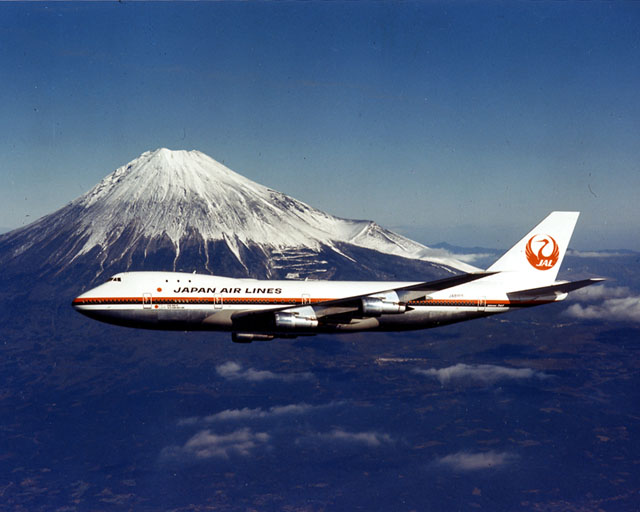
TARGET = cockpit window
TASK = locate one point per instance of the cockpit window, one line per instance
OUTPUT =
(118, 279)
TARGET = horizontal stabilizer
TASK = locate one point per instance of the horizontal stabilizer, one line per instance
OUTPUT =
(555, 289)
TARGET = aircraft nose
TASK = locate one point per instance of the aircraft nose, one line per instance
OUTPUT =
(81, 301)
(77, 302)
(86, 305)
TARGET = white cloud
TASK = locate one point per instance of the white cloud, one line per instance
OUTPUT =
(599, 292)
(207, 444)
(472, 257)
(467, 461)
(247, 413)
(594, 254)
(300, 408)
(235, 414)
(627, 309)
(371, 438)
(226, 415)
(234, 371)
(469, 258)
(484, 373)
(605, 303)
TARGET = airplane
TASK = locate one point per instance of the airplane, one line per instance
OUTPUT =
(260, 310)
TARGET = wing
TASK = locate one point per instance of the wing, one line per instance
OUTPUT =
(345, 308)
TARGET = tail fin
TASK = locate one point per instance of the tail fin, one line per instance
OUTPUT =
(538, 256)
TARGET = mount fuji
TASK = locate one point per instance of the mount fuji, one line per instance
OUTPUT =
(183, 211)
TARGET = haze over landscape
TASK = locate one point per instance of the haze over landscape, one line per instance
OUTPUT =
(462, 123)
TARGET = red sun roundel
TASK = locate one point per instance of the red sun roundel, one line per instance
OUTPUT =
(542, 252)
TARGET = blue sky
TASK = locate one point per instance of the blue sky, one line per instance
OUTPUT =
(463, 122)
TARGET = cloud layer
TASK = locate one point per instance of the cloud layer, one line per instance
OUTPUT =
(370, 438)
(234, 371)
(483, 373)
(207, 444)
(600, 292)
(605, 303)
(468, 461)
(247, 413)
(595, 254)
(627, 310)
(246, 441)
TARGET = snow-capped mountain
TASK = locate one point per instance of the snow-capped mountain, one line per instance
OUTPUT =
(182, 210)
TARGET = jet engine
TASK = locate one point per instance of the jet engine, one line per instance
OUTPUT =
(301, 318)
(291, 321)
(388, 304)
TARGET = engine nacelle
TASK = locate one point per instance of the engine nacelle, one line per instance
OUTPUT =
(376, 306)
(300, 318)
(291, 321)
(246, 337)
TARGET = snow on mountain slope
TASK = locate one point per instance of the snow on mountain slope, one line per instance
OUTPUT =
(163, 196)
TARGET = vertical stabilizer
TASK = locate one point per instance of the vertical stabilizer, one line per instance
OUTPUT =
(538, 256)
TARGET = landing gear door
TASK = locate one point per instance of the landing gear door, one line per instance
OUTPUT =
(146, 300)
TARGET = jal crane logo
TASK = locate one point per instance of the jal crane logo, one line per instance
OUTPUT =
(542, 252)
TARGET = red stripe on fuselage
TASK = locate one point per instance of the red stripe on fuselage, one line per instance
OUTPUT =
(285, 301)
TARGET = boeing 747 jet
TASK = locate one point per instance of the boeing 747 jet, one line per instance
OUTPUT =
(253, 310)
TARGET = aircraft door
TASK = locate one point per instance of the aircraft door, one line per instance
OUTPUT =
(482, 303)
(306, 299)
(146, 300)
(217, 302)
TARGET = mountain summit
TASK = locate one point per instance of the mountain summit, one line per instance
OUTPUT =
(182, 210)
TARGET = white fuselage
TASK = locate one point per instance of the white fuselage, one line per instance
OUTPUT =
(169, 300)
